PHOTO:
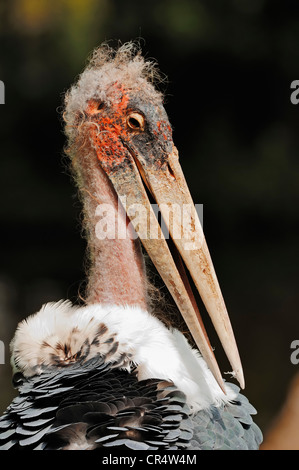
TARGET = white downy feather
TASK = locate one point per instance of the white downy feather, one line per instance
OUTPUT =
(157, 351)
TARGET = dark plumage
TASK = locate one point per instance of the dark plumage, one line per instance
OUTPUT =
(93, 405)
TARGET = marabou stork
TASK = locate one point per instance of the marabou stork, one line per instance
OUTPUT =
(110, 374)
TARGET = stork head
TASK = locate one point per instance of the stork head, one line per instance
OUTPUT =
(115, 112)
(117, 106)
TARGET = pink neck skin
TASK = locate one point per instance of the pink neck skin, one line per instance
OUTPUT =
(117, 272)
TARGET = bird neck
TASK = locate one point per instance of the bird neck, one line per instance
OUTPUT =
(116, 271)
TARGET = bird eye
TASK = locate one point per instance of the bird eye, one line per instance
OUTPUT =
(100, 106)
(136, 121)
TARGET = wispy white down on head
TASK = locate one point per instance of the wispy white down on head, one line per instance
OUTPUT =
(59, 334)
(125, 66)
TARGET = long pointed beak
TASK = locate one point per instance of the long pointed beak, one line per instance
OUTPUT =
(171, 191)
(168, 186)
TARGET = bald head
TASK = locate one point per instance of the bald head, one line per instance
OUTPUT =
(107, 75)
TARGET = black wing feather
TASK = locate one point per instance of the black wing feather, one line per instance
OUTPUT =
(228, 427)
(94, 405)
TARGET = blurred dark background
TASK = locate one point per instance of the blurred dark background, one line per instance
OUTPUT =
(229, 66)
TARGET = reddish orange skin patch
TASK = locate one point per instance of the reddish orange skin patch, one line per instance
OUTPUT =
(109, 127)
(114, 141)
(164, 129)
